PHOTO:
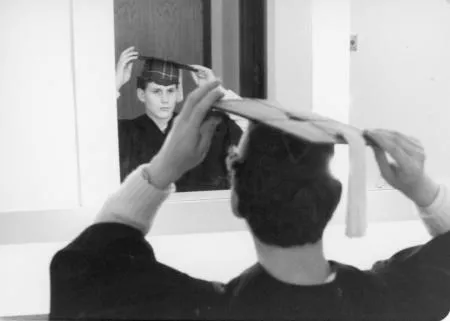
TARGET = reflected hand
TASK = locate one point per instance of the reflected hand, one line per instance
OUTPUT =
(189, 139)
(407, 173)
(203, 75)
(124, 66)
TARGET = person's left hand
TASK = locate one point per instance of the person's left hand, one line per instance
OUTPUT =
(189, 139)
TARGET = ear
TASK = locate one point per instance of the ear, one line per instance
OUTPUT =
(180, 95)
(231, 157)
(140, 94)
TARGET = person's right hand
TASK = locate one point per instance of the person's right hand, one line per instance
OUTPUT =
(407, 173)
(124, 66)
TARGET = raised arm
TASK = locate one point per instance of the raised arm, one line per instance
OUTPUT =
(416, 280)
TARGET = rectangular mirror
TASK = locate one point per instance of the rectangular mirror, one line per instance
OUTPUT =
(226, 36)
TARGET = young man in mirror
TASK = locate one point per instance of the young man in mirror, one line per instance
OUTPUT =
(159, 89)
(287, 196)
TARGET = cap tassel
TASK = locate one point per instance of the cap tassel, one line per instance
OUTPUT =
(356, 219)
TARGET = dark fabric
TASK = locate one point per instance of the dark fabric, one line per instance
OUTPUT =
(413, 285)
(212, 173)
(140, 140)
(110, 272)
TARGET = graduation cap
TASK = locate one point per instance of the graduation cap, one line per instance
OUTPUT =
(162, 71)
(316, 129)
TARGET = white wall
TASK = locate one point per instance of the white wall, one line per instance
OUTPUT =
(289, 53)
(94, 75)
(400, 75)
(331, 76)
(38, 167)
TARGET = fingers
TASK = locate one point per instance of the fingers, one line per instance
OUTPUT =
(383, 164)
(411, 145)
(127, 51)
(195, 77)
(401, 139)
(127, 55)
(203, 74)
(195, 97)
(399, 146)
(129, 59)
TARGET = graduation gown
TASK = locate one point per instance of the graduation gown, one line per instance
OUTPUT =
(212, 173)
(140, 139)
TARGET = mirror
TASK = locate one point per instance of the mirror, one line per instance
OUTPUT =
(221, 35)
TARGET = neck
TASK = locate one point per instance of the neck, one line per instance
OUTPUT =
(299, 265)
(162, 123)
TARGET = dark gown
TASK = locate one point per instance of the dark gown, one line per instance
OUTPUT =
(110, 272)
(140, 139)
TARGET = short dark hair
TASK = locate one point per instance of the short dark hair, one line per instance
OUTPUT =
(142, 82)
(284, 188)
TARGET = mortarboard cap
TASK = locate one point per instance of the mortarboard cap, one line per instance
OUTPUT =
(161, 71)
(317, 129)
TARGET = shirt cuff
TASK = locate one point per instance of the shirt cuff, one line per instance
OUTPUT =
(437, 216)
(135, 203)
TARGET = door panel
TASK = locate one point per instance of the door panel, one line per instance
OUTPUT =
(168, 29)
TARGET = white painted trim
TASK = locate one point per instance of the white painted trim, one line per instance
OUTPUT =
(177, 217)
(93, 38)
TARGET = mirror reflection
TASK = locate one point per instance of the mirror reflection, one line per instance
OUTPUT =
(156, 43)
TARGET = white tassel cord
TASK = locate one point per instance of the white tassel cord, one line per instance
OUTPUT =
(356, 219)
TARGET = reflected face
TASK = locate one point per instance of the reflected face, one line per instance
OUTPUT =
(159, 100)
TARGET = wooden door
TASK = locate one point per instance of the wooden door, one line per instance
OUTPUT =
(171, 29)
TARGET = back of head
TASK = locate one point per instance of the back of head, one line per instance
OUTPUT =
(283, 187)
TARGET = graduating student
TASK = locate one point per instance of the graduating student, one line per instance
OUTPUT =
(159, 88)
(282, 187)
